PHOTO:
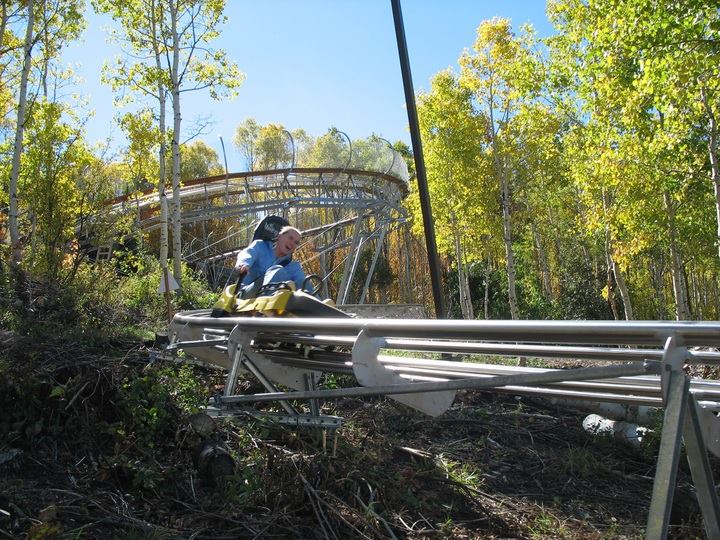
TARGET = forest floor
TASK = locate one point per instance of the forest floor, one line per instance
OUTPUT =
(96, 444)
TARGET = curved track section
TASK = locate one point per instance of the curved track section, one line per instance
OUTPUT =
(349, 219)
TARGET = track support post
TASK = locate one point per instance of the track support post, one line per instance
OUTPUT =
(681, 421)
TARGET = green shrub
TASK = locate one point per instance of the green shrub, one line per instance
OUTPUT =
(140, 291)
(188, 391)
(146, 401)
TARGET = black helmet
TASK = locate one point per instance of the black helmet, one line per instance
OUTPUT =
(269, 228)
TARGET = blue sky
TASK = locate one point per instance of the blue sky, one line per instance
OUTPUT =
(314, 64)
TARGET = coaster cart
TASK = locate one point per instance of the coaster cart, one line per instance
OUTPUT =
(217, 341)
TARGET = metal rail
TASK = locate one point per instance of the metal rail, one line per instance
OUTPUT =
(461, 384)
(650, 333)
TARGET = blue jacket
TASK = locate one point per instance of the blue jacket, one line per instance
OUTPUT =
(259, 256)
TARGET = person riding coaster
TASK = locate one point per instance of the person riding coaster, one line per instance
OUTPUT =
(270, 282)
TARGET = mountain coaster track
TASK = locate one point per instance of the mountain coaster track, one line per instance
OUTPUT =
(646, 369)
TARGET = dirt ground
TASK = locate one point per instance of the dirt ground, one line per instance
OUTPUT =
(96, 446)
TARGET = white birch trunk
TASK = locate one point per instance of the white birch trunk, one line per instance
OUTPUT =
(486, 300)
(463, 282)
(176, 225)
(3, 23)
(542, 262)
(162, 152)
(622, 287)
(656, 273)
(16, 252)
(610, 273)
(714, 165)
(682, 310)
(507, 227)
(509, 253)
(615, 269)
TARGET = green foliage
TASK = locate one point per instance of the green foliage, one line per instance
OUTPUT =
(243, 487)
(53, 182)
(580, 462)
(329, 150)
(650, 442)
(141, 154)
(146, 400)
(599, 151)
(198, 160)
(646, 76)
(88, 308)
(96, 303)
(545, 525)
(461, 186)
(464, 474)
(187, 389)
(139, 289)
(329, 381)
(579, 298)
(245, 140)
(273, 148)
(497, 291)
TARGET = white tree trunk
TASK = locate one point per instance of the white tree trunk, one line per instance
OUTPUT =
(714, 165)
(463, 282)
(16, 253)
(3, 22)
(507, 227)
(682, 308)
(176, 225)
(610, 273)
(614, 268)
(486, 301)
(509, 253)
(162, 152)
(542, 261)
(624, 293)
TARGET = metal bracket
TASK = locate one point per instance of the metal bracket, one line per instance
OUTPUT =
(197, 343)
(369, 372)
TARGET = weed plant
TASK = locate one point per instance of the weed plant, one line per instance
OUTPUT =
(95, 303)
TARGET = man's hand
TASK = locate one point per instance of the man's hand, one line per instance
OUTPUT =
(242, 269)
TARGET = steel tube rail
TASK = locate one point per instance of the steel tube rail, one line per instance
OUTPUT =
(448, 370)
(609, 391)
(499, 349)
(505, 349)
(462, 384)
(566, 332)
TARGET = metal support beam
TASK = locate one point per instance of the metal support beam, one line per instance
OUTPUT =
(700, 469)
(423, 190)
(324, 274)
(267, 383)
(368, 279)
(668, 456)
(231, 380)
(345, 282)
(311, 384)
